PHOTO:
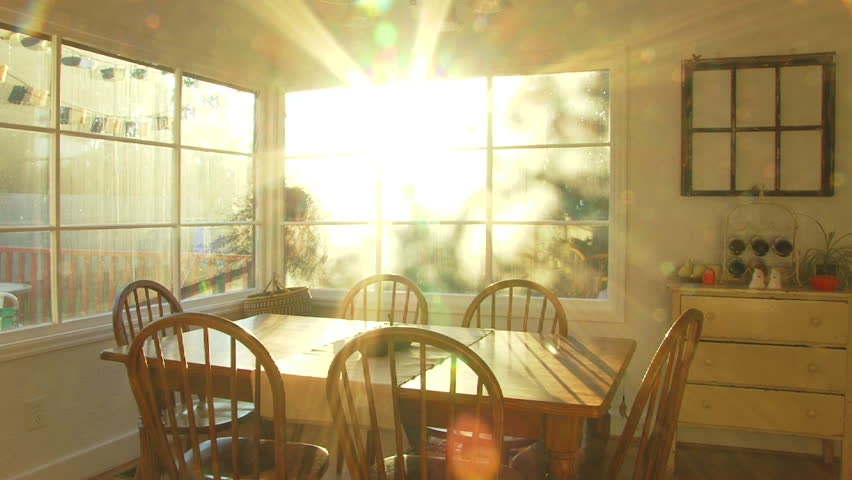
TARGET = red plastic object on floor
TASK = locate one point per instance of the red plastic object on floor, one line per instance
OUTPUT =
(825, 283)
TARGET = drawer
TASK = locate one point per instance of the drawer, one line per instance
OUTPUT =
(797, 368)
(772, 321)
(763, 410)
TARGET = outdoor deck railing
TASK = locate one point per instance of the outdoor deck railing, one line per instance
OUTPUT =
(89, 280)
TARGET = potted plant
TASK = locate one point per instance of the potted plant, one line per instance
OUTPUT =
(829, 265)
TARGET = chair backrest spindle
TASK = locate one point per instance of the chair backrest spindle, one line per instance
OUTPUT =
(533, 292)
(371, 292)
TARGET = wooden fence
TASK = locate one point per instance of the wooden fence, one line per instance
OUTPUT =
(89, 280)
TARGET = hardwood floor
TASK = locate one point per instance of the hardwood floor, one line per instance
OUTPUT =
(698, 462)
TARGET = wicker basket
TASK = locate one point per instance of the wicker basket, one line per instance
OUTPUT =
(277, 299)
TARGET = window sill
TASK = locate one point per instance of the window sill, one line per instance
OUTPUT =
(41, 339)
(454, 305)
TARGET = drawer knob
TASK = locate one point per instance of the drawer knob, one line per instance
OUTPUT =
(708, 362)
(816, 321)
(813, 367)
(706, 404)
(709, 316)
(811, 413)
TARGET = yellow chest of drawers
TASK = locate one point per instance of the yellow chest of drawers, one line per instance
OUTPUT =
(771, 361)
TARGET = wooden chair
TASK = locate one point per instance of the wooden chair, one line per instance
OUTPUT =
(536, 299)
(368, 294)
(179, 374)
(139, 304)
(656, 407)
(657, 404)
(355, 401)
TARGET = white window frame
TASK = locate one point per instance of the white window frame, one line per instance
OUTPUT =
(59, 333)
(614, 60)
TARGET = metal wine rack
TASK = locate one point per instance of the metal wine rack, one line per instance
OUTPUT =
(759, 233)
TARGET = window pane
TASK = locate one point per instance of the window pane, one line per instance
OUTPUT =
(25, 85)
(438, 114)
(323, 256)
(24, 279)
(438, 258)
(110, 96)
(330, 189)
(560, 108)
(216, 116)
(390, 118)
(24, 173)
(328, 121)
(216, 187)
(570, 260)
(96, 264)
(108, 182)
(434, 186)
(551, 184)
(216, 260)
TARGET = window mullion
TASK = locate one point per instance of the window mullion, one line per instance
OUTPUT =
(177, 186)
(53, 183)
(379, 216)
(489, 183)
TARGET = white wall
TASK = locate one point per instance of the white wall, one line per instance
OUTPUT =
(89, 415)
(88, 402)
(662, 225)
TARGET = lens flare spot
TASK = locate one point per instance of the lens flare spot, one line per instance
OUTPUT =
(660, 315)
(628, 197)
(840, 177)
(667, 268)
(153, 21)
(581, 9)
(385, 34)
(470, 464)
(480, 23)
(647, 55)
(374, 7)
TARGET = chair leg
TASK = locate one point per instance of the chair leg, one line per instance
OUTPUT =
(339, 466)
(146, 469)
(670, 464)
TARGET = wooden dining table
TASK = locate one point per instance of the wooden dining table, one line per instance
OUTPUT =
(551, 384)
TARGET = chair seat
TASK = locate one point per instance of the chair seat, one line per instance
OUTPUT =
(511, 445)
(437, 469)
(222, 414)
(304, 461)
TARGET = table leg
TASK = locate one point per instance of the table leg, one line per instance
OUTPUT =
(563, 437)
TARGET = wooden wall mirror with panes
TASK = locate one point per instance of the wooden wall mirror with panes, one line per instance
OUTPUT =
(758, 123)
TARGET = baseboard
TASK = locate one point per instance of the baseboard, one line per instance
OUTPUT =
(89, 461)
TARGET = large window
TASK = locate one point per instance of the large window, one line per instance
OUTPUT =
(452, 183)
(98, 189)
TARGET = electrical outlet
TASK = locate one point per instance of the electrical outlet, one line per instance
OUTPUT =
(35, 413)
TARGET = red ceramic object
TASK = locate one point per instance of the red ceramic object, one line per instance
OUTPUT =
(825, 283)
